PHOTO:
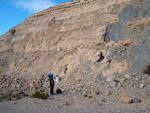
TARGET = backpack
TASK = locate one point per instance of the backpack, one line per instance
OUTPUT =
(58, 91)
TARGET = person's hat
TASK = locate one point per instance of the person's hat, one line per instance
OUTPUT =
(50, 74)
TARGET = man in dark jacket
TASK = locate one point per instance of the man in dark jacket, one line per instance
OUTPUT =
(101, 57)
(51, 83)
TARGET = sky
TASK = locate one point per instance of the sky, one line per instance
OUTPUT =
(14, 12)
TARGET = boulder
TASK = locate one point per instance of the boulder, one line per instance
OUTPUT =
(127, 99)
(142, 86)
(107, 93)
(127, 76)
(136, 100)
(127, 42)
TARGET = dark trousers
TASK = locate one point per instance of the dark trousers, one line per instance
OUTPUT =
(51, 90)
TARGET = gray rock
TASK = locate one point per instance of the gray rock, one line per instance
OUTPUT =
(136, 100)
(139, 53)
(113, 84)
(103, 100)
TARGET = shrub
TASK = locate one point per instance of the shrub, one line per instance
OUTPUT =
(85, 95)
(147, 69)
(39, 95)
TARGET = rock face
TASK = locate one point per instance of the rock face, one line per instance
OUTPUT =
(134, 24)
(66, 40)
(57, 39)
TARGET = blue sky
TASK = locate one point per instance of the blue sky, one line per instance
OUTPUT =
(13, 12)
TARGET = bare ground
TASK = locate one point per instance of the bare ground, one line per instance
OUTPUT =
(74, 103)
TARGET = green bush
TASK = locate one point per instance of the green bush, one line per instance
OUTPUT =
(39, 95)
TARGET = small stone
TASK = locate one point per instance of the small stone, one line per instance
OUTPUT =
(103, 100)
(119, 85)
(127, 76)
(92, 92)
(97, 91)
(74, 92)
(85, 92)
(103, 82)
(127, 42)
(136, 100)
(121, 80)
(127, 99)
(111, 78)
(112, 84)
(107, 93)
(107, 85)
(59, 106)
(142, 86)
(1, 77)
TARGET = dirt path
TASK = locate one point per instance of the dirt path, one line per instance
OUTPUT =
(73, 103)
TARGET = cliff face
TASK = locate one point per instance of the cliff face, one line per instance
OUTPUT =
(66, 40)
(57, 39)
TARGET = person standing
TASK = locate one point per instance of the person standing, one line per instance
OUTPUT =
(51, 83)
